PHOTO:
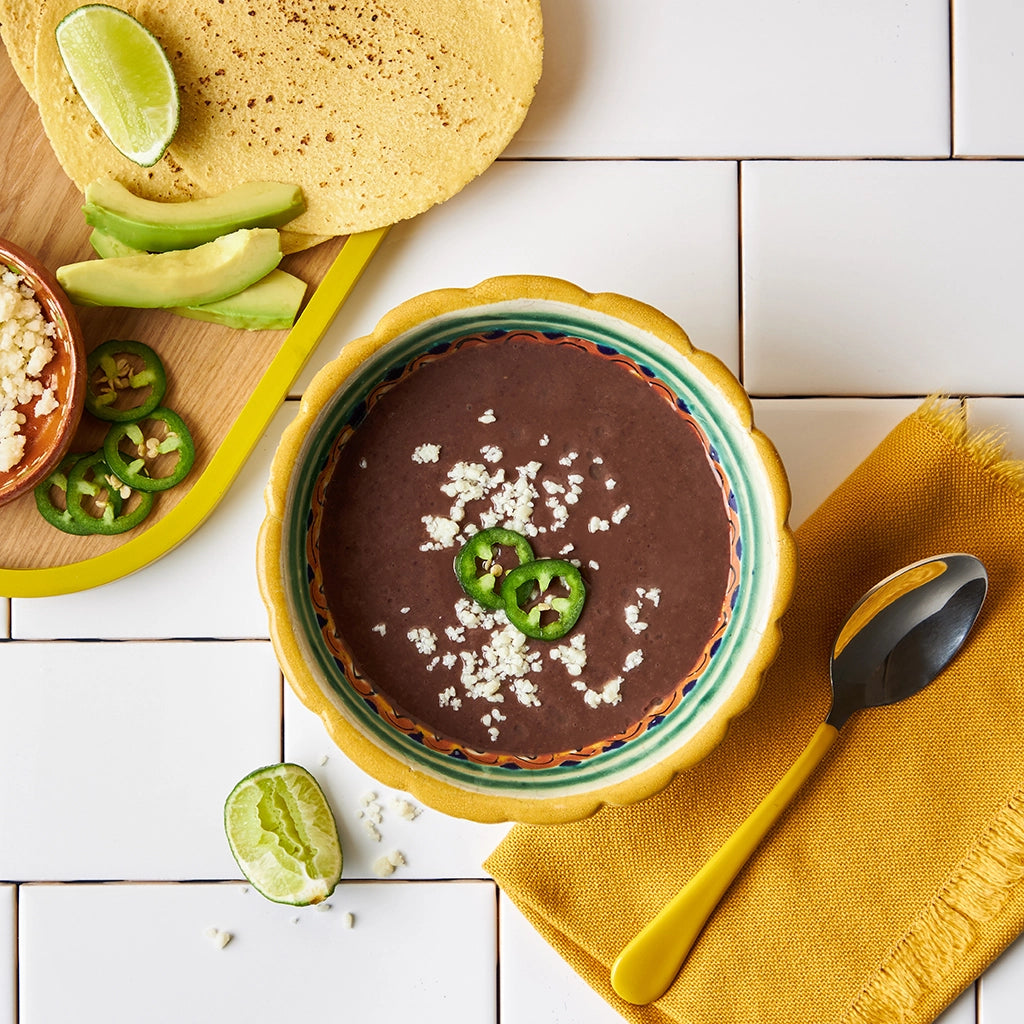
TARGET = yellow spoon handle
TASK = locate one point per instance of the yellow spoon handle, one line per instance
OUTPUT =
(649, 964)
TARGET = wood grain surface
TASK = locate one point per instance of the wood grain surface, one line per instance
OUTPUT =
(211, 370)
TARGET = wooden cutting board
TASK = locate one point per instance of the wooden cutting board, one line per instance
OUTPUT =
(225, 383)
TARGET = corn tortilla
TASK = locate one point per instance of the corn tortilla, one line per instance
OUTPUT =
(18, 23)
(378, 111)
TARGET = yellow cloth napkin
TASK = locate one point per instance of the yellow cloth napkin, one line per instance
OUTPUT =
(897, 875)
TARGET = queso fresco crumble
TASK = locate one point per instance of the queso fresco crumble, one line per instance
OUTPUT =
(26, 348)
(492, 660)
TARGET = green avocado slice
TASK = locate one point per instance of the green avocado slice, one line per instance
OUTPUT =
(271, 304)
(184, 277)
(156, 226)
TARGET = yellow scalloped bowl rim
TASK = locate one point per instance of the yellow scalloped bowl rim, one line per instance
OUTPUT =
(521, 802)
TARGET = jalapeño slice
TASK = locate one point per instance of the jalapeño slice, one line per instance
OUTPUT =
(141, 467)
(95, 501)
(52, 497)
(535, 612)
(478, 568)
(125, 380)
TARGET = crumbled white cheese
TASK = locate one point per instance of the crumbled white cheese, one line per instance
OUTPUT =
(381, 628)
(442, 531)
(507, 659)
(633, 660)
(449, 699)
(608, 694)
(487, 417)
(426, 453)
(597, 525)
(218, 937)
(609, 484)
(405, 809)
(544, 441)
(569, 459)
(619, 514)
(572, 655)
(386, 865)
(492, 453)
(633, 618)
(26, 348)
(422, 639)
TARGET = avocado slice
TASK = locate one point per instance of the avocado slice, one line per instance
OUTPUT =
(271, 304)
(155, 226)
(184, 277)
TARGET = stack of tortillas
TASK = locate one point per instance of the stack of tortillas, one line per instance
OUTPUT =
(377, 110)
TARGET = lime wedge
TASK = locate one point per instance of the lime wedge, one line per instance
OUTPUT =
(282, 833)
(124, 78)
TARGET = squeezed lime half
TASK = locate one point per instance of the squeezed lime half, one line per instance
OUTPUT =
(123, 77)
(283, 835)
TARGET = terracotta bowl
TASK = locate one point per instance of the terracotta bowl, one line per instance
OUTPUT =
(47, 437)
(704, 697)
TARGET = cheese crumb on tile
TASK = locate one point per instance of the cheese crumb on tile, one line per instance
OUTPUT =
(218, 937)
(405, 809)
(386, 865)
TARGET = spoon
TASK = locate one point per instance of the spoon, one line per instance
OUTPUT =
(896, 640)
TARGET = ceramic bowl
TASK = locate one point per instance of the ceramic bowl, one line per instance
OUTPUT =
(572, 786)
(47, 437)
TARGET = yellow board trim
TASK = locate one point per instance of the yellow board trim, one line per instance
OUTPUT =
(236, 447)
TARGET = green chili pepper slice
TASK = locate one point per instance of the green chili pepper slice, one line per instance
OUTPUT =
(532, 610)
(56, 512)
(125, 381)
(91, 480)
(478, 567)
(149, 446)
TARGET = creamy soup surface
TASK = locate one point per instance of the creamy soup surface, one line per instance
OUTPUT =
(581, 455)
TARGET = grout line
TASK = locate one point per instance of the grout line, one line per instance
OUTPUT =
(16, 966)
(741, 335)
(497, 950)
(952, 82)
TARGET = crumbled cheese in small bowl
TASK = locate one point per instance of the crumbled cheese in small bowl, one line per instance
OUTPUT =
(42, 372)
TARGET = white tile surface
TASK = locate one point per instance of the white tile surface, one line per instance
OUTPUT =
(116, 759)
(881, 277)
(206, 587)
(962, 1010)
(988, 77)
(861, 279)
(741, 78)
(1003, 418)
(433, 844)
(999, 991)
(8, 953)
(130, 953)
(663, 233)
(822, 440)
(537, 985)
